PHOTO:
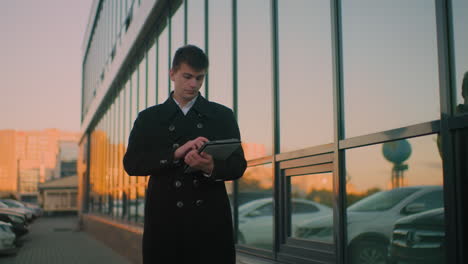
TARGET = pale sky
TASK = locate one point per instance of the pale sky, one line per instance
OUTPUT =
(40, 63)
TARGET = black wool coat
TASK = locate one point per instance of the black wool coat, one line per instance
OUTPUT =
(187, 216)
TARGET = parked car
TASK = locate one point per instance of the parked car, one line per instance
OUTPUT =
(35, 207)
(17, 204)
(371, 220)
(419, 238)
(27, 213)
(256, 219)
(7, 239)
(18, 222)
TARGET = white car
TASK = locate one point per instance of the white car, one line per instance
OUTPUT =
(7, 239)
(371, 220)
(256, 219)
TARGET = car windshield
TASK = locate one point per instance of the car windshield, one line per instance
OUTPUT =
(2, 205)
(11, 204)
(250, 205)
(382, 201)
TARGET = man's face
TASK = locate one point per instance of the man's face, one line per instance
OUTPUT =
(187, 82)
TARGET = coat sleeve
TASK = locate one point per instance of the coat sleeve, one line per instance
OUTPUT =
(144, 155)
(233, 167)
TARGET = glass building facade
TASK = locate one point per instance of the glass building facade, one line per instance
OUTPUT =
(353, 117)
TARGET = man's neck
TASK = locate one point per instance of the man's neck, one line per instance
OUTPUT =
(180, 101)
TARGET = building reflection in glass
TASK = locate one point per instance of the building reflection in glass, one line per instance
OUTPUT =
(311, 200)
(377, 207)
(256, 207)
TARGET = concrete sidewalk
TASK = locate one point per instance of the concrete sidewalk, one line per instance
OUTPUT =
(54, 240)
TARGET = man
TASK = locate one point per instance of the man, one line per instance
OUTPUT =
(187, 215)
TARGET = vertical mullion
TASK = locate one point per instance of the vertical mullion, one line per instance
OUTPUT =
(207, 51)
(169, 48)
(156, 68)
(234, 57)
(452, 187)
(278, 225)
(339, 170)
(185, 3)
(234, 108)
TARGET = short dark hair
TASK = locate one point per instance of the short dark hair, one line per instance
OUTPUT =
(192, 56)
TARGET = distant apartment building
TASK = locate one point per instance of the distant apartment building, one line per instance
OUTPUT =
(30, 157)
(66, 159)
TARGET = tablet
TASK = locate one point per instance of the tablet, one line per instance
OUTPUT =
(220, 149)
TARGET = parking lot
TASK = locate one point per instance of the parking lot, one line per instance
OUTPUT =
(56, 240)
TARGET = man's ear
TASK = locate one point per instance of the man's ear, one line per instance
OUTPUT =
(172, 74)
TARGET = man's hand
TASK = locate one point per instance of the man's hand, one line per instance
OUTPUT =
(202, 161)
(195, 144)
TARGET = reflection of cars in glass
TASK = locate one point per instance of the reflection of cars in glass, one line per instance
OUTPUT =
(371, 220)
(419, 238)
(7, 239)
(256, 219)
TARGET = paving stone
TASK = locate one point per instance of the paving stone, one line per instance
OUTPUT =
(56, 240)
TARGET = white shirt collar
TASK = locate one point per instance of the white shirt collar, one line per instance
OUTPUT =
(187, 107)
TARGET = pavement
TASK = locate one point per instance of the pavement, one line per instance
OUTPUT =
(55, 240)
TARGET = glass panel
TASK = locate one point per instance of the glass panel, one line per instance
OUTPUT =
(255, 87)
(141, 204)
(196, 22)
(121, 137)
(256, 207)
(134, 108)
(105, 176)
(177, 34)
(142, 85)
(220, 52)
(163, 67)
(196, 26)
(460, 21)
(151, 96)
(127, 125)
(311, 203)
(132, 203)
(306, 86)
(125, 203)
(390, 63)
(393, 188)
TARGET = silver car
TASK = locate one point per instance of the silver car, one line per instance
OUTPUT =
(371, 220)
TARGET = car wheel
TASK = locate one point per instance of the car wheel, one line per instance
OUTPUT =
(369, 253)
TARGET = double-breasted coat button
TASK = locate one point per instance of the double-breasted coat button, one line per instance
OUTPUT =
(180, 204)
(177, 184)
(199, 125)
(199, 202)
(175, 146)
(171, 128)
(196, 183)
